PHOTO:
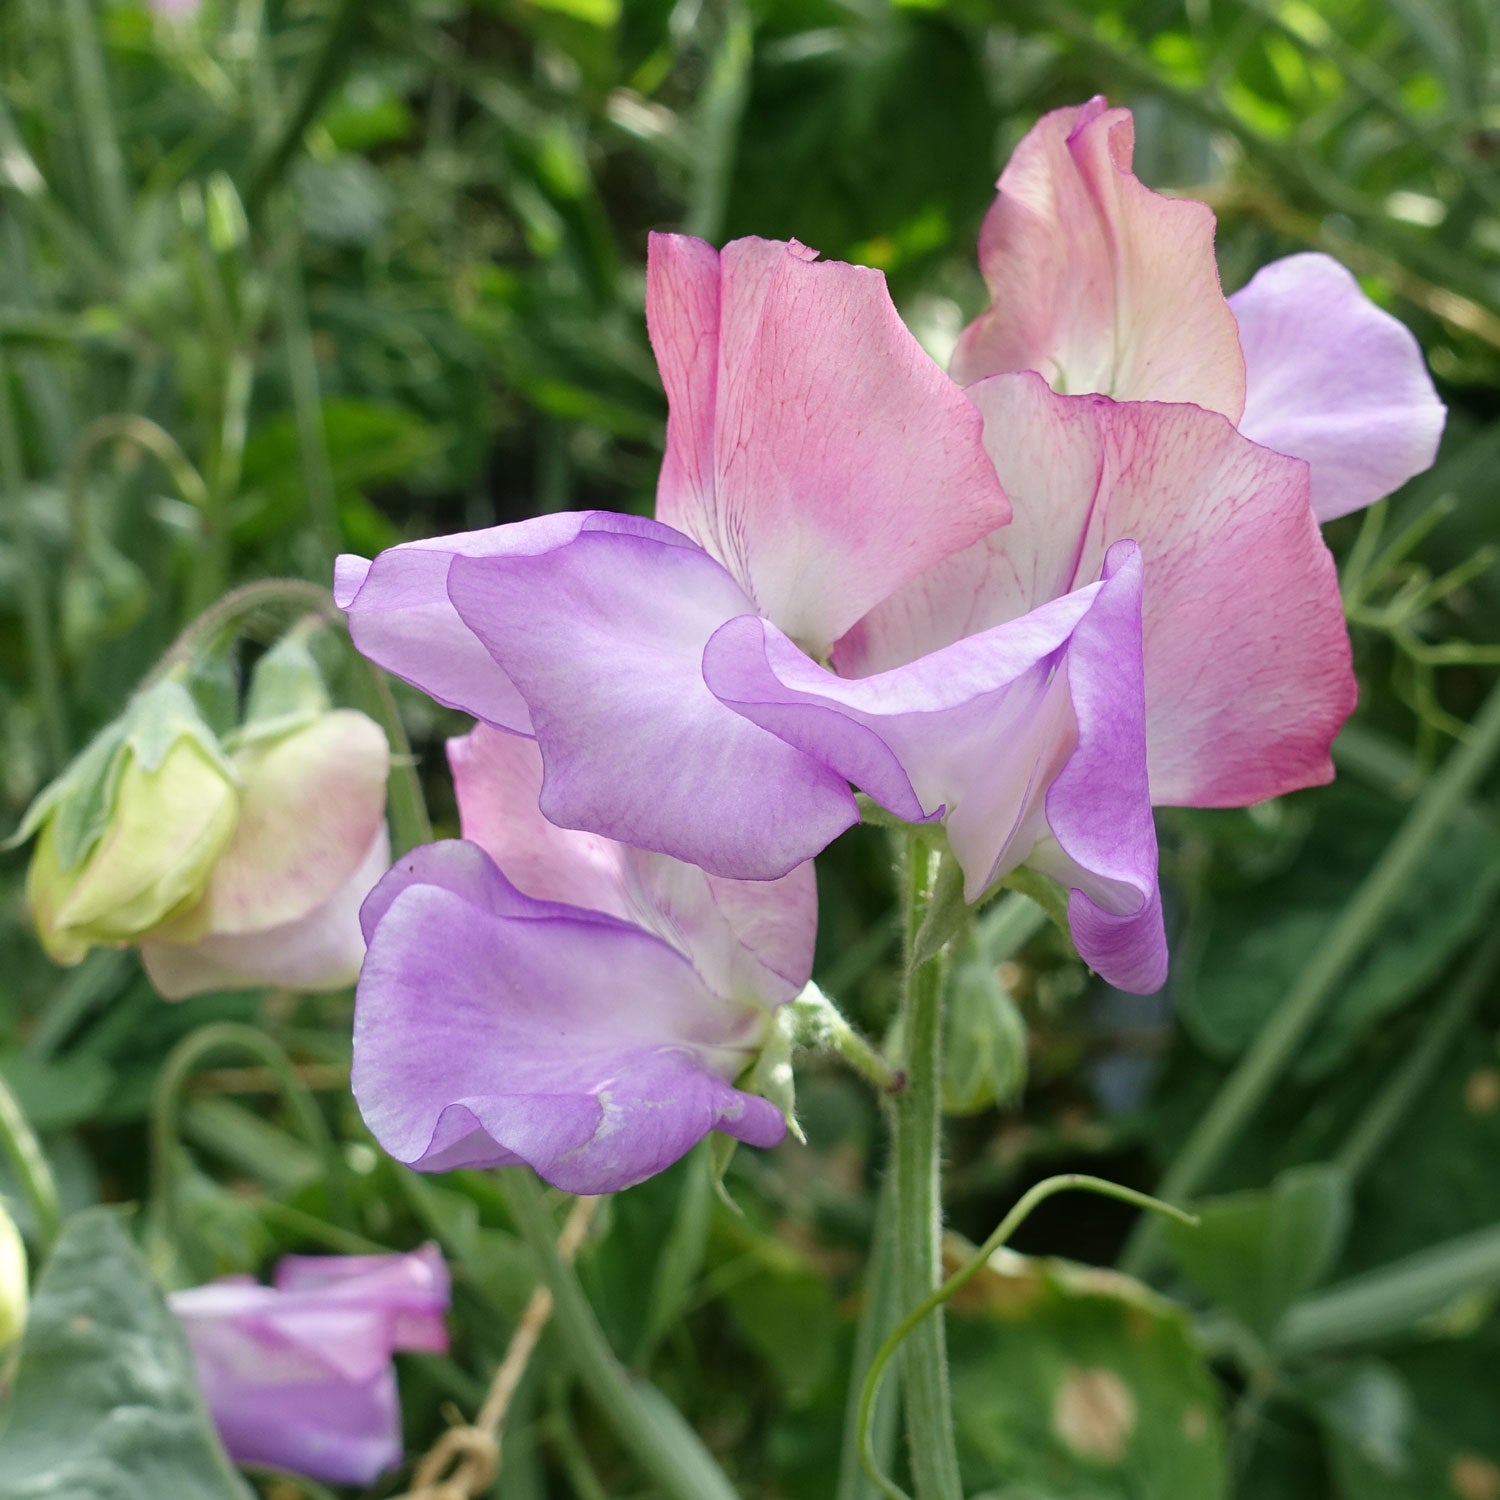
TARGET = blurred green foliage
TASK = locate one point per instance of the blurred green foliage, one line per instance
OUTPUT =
(290, 276)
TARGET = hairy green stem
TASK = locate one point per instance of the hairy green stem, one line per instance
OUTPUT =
(917, 1140)
(680, 1466)
(28, 1161)
(1258, 1072)
(1019, 1213)
(226, 617)
(187, 1055)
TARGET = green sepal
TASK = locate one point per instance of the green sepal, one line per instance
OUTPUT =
(984, 1047)
(286, 691)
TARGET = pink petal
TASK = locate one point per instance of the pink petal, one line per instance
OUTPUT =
(603, 636)
(498, 778)
(319, 951)
(1095, 281)
(1026, 739)
(744, 937)
(812, 447)
(1248, 673)
(1333, 379)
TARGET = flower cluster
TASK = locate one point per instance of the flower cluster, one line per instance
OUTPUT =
(230, 864)
(298, 1375)
(1080, 577)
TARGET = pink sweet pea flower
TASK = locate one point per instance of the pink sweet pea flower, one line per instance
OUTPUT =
(589, 1019)
(817, 461)
(1036, 690)
(299, 1375)
(1101, 285)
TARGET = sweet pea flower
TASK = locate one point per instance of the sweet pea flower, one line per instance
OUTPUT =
(1101, 285)
(1035, 694)
(299, 1375)
(817, 460)
(586, 1012)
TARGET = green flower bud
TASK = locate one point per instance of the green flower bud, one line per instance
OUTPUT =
(12, 1281)
(128, 834)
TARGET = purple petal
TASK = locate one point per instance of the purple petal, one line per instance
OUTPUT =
(744, 937)
(587, 1049)
(411, 1291)
(603, 636)
(1335, 380)
(401, 618)
(1008, 735)
(813, 447)
(290, 1382)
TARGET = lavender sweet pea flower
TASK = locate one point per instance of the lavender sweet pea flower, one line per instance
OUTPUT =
(593, 1015)
(298, 1375)
(1101, 285)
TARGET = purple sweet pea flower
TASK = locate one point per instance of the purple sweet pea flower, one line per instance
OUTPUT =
(588, 1020)
(1099, 284)
(298, 1375)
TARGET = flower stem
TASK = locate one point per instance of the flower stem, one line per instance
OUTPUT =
(917, 1149)
(930, 1304)
(1247, 1088)
(29, 1163)
(670, 1453)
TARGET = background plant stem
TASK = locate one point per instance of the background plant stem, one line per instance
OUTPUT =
(682, 1468)
(1247, 1088)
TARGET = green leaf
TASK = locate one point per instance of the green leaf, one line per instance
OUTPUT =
(1076, 1384)
(1256, 1253)
(1257, 940)
(106, 1406)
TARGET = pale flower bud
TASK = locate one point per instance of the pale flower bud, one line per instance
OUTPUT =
(129, 832)
(282, 903)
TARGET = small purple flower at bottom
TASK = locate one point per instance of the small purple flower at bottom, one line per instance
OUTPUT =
(298, 1375)
(591, 1025)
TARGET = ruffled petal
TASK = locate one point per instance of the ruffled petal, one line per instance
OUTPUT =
(603, 636)
(1095, 281)
(1248, 675)
(401, 618)
(812, 446)
(1009, 736)
(586, 1049)
(744, 937)
(1335, 380)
